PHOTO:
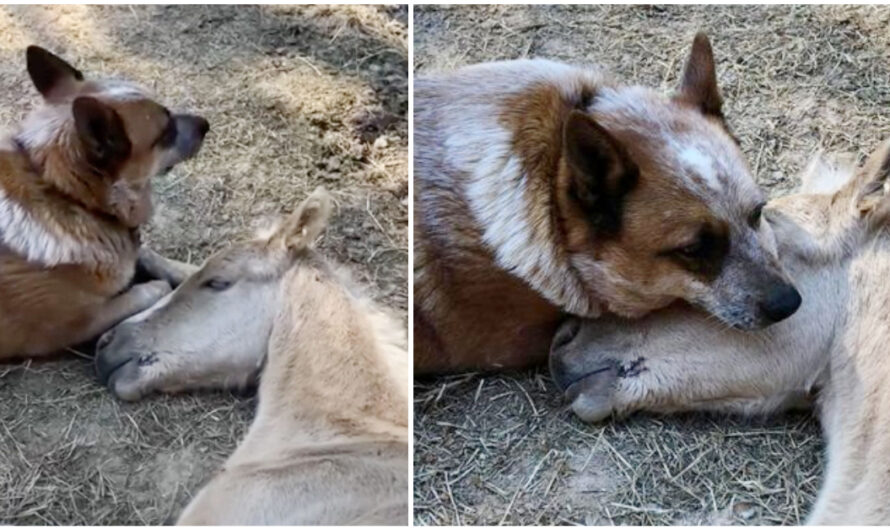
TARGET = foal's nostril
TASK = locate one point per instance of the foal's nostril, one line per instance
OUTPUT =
(559, 370)
(203, 126)
(105, 340)
(559, 373)
(781, 303)
(564, 335)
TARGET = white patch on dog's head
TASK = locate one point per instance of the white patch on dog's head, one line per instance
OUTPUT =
(695, 151)
(121, 90)
(696, 161)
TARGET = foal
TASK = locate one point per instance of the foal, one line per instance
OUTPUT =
(329, 444)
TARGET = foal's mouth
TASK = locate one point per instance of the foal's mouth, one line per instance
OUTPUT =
(602, 378)
(107, 365)
(572, 384)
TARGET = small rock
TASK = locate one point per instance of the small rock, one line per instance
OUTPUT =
(744, 510)
(381, 143)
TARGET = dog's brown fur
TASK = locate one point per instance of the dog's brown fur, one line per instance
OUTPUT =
(589, 196)
(74, 188)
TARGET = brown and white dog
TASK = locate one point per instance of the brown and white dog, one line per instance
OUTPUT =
(543, 189)
(75, 185)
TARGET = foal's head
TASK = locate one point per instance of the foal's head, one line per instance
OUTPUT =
(213, 330)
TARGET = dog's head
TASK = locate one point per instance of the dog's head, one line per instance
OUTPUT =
(101, 141)
(658, 204)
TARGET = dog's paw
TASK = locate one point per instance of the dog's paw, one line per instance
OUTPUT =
(147, 294)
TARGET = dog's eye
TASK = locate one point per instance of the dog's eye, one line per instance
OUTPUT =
(693, 250)
(755, 215)
(217, 284)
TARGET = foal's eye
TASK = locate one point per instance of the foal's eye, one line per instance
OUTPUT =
(217, 284)
(755, 215)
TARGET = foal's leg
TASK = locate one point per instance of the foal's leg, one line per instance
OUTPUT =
(155, 266)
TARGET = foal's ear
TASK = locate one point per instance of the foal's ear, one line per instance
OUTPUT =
(873, 197)
(308, 221)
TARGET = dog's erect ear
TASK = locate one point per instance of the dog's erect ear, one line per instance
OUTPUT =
(602, 172)
(102, 134)
(301, 229)
(53, 77)
(699, 85)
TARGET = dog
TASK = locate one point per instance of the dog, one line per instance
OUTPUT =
(75, 186)
(833, 240)
(543, 189)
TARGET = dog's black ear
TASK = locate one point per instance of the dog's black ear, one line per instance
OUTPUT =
(699, 85)
(53, 77)
(102, 133)
(601, 170)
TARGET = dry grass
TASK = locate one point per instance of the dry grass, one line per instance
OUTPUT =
(297, 97)
(502, 449)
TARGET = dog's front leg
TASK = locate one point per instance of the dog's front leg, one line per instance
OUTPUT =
(153, 266)
(136, 299)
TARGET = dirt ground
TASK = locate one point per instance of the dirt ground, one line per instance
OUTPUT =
(297, 97)
(504, 449)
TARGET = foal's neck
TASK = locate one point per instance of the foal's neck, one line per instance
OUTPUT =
(337, 366)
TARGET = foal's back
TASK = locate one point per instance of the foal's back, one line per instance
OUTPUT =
(364, 482)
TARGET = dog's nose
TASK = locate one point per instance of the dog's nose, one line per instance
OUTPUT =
(781, 302)
(203, 126)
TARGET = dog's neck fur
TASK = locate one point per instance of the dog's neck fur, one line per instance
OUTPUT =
(520, 227)
(35, 170)
(524, 245)
(56, 154)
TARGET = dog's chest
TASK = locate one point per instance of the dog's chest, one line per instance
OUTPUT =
(102, 280)
(484, 317)
(45, 233)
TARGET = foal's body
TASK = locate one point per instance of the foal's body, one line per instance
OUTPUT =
(837, 347)
(329, 444)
